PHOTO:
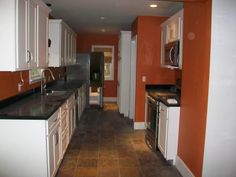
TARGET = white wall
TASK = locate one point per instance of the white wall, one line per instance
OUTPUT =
(220, 144)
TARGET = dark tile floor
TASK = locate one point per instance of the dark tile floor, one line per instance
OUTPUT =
(105, 145)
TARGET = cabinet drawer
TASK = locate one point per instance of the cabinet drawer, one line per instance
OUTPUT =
(53, 120)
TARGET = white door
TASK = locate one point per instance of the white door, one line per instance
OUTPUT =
(32, 33)
(133, 78)
(22, 34)
(65, 46)
(42, 38)
(53, 150)
(162, 131)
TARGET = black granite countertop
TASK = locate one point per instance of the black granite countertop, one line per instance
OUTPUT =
(40, 107)
(164, 93)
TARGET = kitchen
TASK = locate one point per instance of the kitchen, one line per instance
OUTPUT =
(207, 39)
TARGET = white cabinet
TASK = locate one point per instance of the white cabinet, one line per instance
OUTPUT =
(63, 44)
(30, 147)
(172, 30)
(53, 144)
(123, 86)
(64, 122)
(71, 107)
(42, 38)
(168, 131)
(23, 33)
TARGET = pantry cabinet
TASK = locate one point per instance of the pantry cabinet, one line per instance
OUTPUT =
(23, 34)
(62, 51)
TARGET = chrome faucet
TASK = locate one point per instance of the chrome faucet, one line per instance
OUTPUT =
(44, 80)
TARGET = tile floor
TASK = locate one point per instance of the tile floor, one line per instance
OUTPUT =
(105, 145)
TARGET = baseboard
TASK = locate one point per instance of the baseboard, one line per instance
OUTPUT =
(139, 126)
(182, 167)
(110, 99)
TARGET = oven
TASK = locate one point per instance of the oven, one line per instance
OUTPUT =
(152, 114)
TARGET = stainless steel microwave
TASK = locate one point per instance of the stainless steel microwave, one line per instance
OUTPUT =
(171, 54)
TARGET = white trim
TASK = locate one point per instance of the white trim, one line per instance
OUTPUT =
(132, 88)
(110, 99)
(110, 78)
(139, 126)
(182, 167)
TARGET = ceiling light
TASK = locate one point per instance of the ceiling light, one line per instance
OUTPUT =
(103, 30)
(102, 18)
(153, 5)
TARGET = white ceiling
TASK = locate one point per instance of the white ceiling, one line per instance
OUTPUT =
(84, 15)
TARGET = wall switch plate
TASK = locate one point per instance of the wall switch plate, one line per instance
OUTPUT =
(143, 78)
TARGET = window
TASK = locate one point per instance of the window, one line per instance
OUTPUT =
(35, 75)
(108, 51)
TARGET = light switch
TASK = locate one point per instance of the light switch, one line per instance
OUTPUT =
(143, 78)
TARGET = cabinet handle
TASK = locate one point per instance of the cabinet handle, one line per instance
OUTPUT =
(172, 48)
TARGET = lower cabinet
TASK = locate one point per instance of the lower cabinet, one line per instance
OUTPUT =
(35, 148)
(64, 134)
(81, 99)
(168, 131)
(53, 145)
(71, 108)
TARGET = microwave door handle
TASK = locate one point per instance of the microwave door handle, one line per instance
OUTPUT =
(172, 48)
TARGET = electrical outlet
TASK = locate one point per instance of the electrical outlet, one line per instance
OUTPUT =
(143, 78)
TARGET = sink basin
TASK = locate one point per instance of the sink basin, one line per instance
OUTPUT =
(55, 93)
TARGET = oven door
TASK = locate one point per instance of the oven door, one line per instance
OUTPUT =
(151, 122)
(151, 114)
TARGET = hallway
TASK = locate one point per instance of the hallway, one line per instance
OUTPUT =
(105, 145)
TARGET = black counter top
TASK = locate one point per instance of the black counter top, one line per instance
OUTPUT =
(40, 107)
(163, 93)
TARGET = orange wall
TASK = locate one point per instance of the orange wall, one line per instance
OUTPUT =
(148, 60)
(195, 78)
(85, 42)
(10, 80)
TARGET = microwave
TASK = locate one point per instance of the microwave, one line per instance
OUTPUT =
(171, 54)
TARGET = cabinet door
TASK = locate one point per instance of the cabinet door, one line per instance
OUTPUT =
(53, 150)
(62, 45)
(32, 33)
(163, 42)
(42, 38)
(22, 34)
(162, 131)
(65, 46)
(173, 29)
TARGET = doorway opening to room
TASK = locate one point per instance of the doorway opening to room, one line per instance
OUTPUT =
(101, 70)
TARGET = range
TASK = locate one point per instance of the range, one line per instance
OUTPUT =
(156, 94)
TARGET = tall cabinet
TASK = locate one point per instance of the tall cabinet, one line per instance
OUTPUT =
(23, 34)
(123, 85)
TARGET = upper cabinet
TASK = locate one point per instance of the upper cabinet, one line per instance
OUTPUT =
(172, 42)
(24, 34)
(62, 50)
